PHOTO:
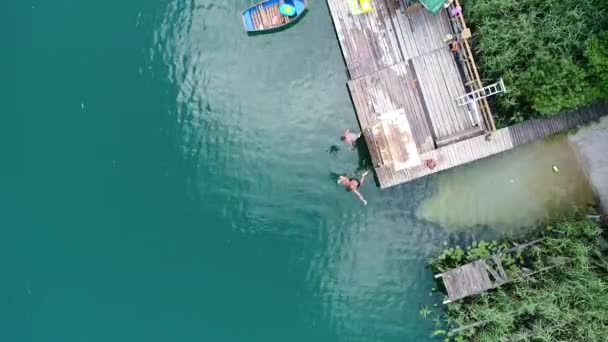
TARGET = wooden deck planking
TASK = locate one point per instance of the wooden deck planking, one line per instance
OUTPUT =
(367, 44)
(427, 86)
(440, 83)
(449, 110)
(383, 10)
(420, 32)
(502, 140)
(447, 70)
(388, 90)
(467, 280)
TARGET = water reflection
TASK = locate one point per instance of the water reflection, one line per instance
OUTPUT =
(516, 189)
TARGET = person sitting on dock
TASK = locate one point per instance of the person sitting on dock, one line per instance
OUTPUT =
(353, 184)
(350, 137)
(455, 46)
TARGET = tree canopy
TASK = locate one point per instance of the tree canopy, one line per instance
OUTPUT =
(567, 302)
(551, 53)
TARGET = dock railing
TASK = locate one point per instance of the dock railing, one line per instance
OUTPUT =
(473, 80)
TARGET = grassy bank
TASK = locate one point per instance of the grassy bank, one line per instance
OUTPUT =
(552, 54)
(566, 301)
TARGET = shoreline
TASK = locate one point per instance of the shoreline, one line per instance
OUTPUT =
(590, 143)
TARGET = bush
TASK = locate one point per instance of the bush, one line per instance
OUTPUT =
(538, 47)
(567, 302)
(597, 54)
(553, 84)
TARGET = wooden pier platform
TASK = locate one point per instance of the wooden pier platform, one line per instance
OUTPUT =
(404, 81)
(501, 140)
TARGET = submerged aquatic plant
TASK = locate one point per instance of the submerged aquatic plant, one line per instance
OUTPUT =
(425, 312)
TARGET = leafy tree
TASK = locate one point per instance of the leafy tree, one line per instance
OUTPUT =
(539, 48)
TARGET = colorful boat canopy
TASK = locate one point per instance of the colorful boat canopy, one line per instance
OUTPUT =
(287, 10)
(433, 5)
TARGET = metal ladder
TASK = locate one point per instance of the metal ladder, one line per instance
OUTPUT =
(492, 89)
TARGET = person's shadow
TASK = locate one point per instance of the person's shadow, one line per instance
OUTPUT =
(365, 160)
(333, 150)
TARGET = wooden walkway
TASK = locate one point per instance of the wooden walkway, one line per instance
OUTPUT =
(502, 140)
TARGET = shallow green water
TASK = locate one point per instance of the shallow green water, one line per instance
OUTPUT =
(512, 190)
(167, 179)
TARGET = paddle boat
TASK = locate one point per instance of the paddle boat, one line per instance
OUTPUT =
(272, 14)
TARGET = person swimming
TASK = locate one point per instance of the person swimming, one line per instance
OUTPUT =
(353, 184)
(350, 137)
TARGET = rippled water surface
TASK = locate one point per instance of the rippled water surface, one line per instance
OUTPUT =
(170, 180)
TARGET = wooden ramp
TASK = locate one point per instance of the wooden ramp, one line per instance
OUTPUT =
(368, 40)
(466, 280)
(478, 276)
(418, 32)
(391, 89)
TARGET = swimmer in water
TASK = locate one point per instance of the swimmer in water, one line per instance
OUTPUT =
(353, 184)
(350, 137)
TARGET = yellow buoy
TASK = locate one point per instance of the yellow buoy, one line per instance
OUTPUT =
(555, 169)
(366, 5)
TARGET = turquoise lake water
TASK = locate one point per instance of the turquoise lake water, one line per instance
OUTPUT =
(168, 179)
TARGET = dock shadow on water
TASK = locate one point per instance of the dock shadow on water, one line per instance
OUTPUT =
(365, 160)
(512, 191)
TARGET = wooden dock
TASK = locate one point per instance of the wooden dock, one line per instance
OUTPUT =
(399, 62)
(504, 139)
(480, 275)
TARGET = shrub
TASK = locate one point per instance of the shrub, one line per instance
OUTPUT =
(597, 54)
(566, 302)
(538, 47)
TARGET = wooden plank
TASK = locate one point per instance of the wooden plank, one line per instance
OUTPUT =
(442, 96)
(516, 131)
(501, 270)
(466, 280)
(428, 87)
(454, 86)
(497, 277)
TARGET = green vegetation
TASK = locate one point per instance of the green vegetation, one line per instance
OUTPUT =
(568, 301)
(596, 53)
(551, 53)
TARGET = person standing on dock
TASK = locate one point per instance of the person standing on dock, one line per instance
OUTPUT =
(350, 137)
(353, 184)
